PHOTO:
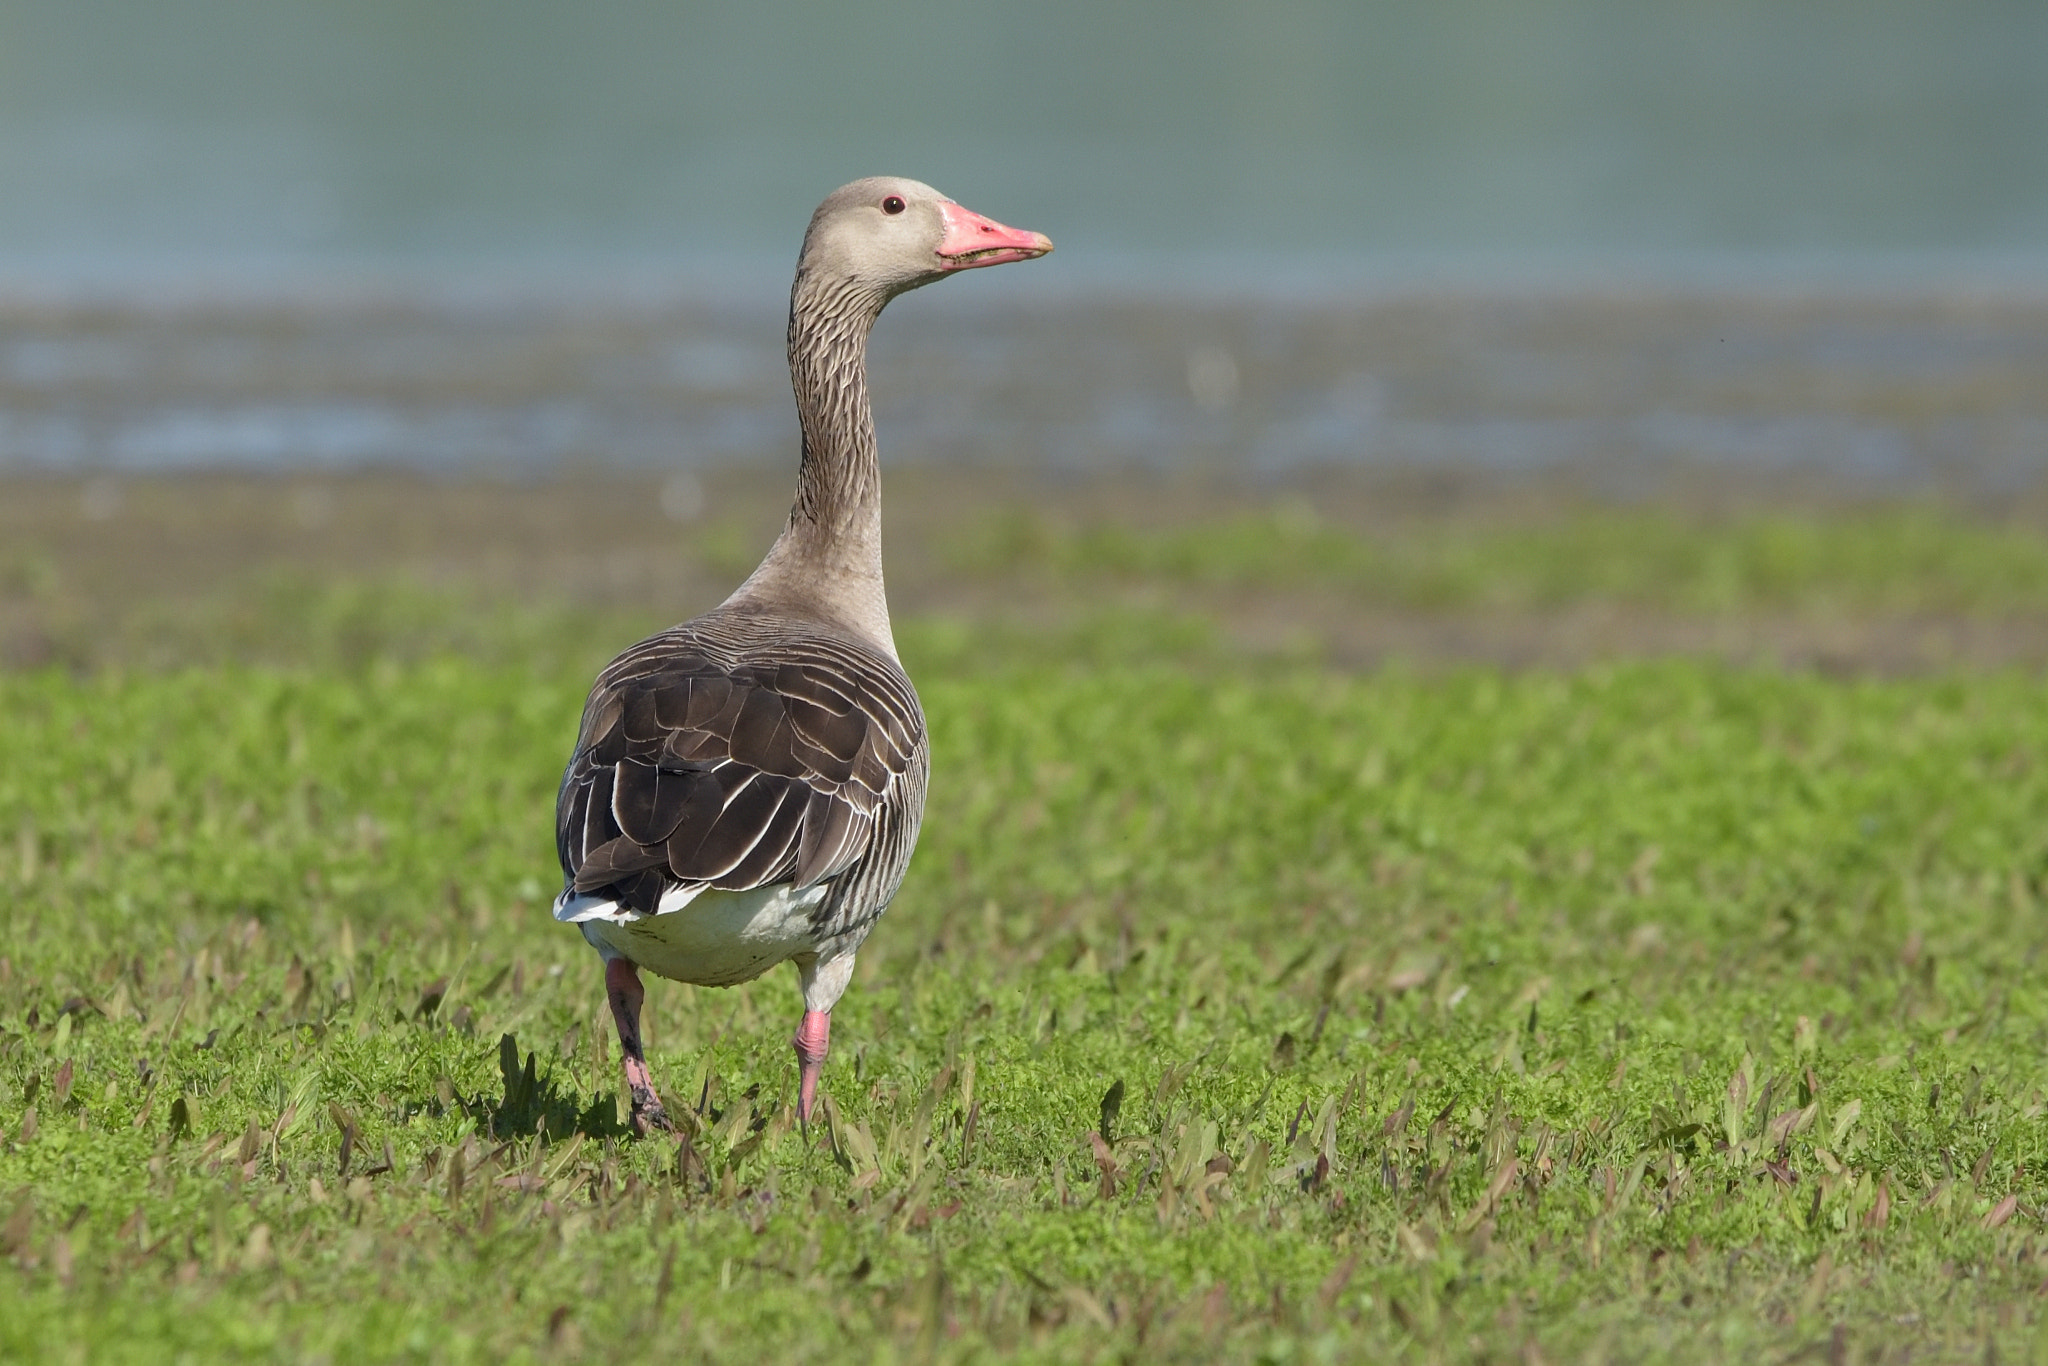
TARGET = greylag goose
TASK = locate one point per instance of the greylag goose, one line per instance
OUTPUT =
(746, 787)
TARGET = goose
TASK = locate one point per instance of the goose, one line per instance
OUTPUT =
(746, 787)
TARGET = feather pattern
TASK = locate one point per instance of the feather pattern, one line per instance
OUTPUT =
(740, 751)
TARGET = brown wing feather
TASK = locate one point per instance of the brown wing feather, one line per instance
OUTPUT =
(738, 752)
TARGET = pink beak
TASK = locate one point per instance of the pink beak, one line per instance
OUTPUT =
(972, 240)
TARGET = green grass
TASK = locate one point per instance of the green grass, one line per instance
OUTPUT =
(1659, 1012)
(1908, 559)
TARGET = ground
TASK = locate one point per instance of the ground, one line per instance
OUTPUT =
(1419, 923)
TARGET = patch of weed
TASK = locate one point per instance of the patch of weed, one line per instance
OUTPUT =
(1662, 1011)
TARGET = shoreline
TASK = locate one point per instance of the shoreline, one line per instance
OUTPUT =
(1897, 394)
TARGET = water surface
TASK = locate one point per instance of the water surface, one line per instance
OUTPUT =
(240, 137)
(1491, 234)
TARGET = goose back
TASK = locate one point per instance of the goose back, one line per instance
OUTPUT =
(744, 750)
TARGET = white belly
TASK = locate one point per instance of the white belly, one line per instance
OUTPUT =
(709, 938)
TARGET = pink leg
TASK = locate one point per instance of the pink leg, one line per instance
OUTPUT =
(813, 1038)
(622, 987)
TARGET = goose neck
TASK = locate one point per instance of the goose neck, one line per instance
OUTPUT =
(828, 561)
(838, 502)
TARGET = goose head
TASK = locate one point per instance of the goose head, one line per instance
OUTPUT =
(888, 235)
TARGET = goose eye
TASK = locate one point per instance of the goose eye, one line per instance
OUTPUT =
(893, 204)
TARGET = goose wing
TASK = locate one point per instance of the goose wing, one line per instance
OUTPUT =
(742, 753)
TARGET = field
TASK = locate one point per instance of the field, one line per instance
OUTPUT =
(1502, 931)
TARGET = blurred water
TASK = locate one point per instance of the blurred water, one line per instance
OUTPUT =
(1169, 138)
(1504, 234)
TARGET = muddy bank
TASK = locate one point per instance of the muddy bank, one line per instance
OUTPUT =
(166, 569)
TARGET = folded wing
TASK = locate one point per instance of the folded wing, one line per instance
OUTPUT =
(707, 760)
